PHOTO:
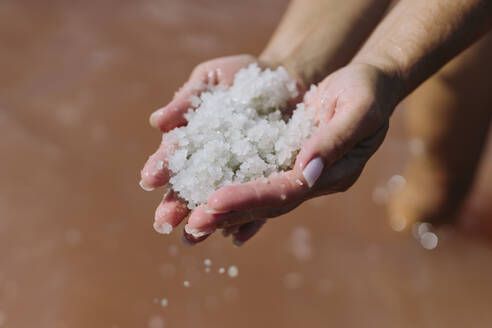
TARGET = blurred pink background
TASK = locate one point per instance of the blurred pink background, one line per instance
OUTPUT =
(78, 80)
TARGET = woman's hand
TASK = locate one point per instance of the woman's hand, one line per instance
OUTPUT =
(172, 210)
(352, 108)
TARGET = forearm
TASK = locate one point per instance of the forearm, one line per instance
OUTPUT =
(316, 37)
(419, 36)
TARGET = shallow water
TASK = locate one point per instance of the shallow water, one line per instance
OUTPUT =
(77, 248)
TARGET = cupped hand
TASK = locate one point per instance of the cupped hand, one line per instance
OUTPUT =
(172, 210)
(351, 108)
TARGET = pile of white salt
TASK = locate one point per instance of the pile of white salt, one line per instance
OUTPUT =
(237, 134)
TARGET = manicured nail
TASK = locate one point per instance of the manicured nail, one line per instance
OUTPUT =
(145, 187)
(198, 233)
(313, 170)
(163, 228)
(153, 119)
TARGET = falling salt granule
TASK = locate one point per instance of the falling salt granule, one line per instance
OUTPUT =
(186, 283)
(72, 237)
(292, 280)
(163, 228)
(164, 302)
(233, 271)
(300, 244)
(173, 250)
(398, 222)
(221, 270)
(237, 134)
(395, 183)
(156, 300)
(419, 228)
(207, 270)
(207, 262)
(231, 294)
(380, 195)
(3, 318)
(416, 146)
(156, 322)
(429, 240)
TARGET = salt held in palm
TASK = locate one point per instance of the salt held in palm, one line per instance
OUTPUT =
(237, 134)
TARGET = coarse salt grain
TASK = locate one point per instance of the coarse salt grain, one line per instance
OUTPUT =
(237, 134)
(164, 302)
(233, 271)
(186, 283)
(207, 262)
(221, 270)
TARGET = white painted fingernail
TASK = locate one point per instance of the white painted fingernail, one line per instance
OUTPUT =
(164, 228)
(154, 117)
(198, 233)
(313, 170)
(144, 187)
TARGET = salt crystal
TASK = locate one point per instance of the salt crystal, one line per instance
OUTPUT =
(186, 283)
(429, 240)
(207, 270)
(396, 183)
(380, 196)
(163, 228)
(207, 262)
(237, 135)
(164, 302)
(160, 165)
(233, 271)
(221, 270)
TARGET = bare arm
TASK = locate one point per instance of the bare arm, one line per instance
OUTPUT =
(419, 36)
(316, 37)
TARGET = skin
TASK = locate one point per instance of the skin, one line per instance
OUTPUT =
(450, 115)
(352, 104)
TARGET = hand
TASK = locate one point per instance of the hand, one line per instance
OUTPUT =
(172, 210)
(352, 108)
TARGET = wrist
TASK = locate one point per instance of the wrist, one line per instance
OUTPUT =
(390, 70)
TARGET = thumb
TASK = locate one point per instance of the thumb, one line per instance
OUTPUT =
(330, 142)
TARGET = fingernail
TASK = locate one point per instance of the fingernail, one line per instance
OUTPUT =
(198, 233)
(164, 228)
(186, 242)
(313, 170)
(144, 187)
(153, 118)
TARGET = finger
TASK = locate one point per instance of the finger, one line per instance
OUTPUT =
(190, 240)
(155, 172)
(170, 213)
(214, 72)
(276, 191)
(202, 221)
(246, 231)
(172, 115)
(343, 173)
